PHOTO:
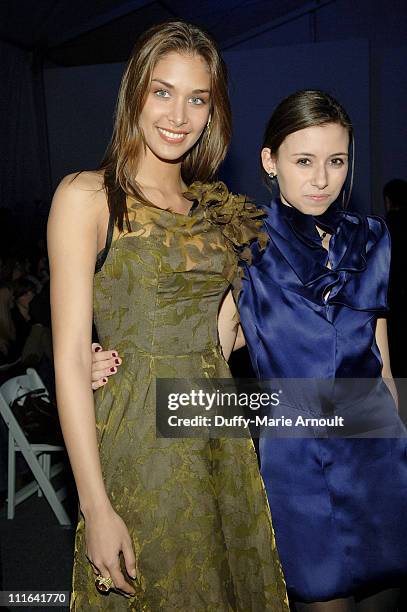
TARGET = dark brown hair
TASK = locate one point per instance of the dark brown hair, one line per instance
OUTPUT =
(202, 161)
(300, 110)
(396, 191)
(22, 286)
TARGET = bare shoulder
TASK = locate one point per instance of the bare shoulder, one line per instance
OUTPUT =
(80, 193)
(78, 210)
(87, 180)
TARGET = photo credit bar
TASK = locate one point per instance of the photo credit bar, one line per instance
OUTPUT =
(282, 408)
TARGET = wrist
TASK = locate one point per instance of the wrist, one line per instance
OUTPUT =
(95, 507)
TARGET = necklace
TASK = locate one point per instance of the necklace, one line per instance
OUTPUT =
(322, 236)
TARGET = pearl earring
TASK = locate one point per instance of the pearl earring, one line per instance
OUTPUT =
(272, 175)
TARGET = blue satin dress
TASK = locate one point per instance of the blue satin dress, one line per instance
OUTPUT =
(339, 505)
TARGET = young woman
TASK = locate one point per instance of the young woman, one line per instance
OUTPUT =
(312, 305)
(176, 524)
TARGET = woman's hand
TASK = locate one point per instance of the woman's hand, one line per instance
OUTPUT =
(106, 536)
(383, 346)
(104, 364)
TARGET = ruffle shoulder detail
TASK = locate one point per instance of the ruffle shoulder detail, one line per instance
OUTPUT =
(240, 221)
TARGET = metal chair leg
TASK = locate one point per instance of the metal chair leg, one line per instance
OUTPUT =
(11, 476)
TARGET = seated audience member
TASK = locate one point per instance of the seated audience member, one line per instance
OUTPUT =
(37, 350)
(23, 291)
(8, 347)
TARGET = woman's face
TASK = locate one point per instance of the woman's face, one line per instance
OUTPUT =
(17, 271)
(311, 167)
(26, 298)
(177, 107)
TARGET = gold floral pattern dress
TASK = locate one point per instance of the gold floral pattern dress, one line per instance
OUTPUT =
(195, 509)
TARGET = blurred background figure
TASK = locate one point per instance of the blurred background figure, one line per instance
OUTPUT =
(37, 350)
(24, 291)
(395, 201)
(8, 351)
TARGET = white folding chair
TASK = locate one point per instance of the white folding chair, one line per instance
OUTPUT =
(37, 456)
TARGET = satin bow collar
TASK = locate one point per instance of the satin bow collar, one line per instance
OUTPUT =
(347, 246)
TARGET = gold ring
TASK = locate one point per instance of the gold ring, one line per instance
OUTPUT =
(103, 584)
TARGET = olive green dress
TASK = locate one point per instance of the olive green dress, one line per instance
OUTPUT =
(195, 509)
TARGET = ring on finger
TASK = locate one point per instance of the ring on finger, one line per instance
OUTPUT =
(103, 584)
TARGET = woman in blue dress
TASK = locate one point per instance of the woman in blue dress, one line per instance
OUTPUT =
(312, 306)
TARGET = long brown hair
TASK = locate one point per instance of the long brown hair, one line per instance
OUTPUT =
(300, 110)
(203, 160)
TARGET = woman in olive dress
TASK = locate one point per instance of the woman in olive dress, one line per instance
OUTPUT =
(164, 524)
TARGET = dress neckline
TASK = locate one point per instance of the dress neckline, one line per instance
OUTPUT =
(305, 226)
(133, 203)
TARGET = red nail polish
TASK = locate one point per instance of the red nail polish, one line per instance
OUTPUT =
(117, 361)
(114, 354)
(97, 349)
(113, 369)
(104, 380)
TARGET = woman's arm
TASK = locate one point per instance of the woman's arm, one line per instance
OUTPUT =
(383, 345)
(240, 341)
(76, 214)
(72, 247)
(230, 333)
